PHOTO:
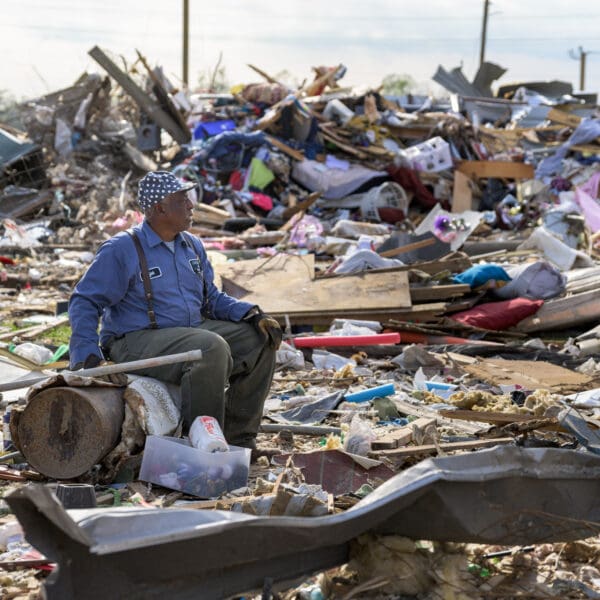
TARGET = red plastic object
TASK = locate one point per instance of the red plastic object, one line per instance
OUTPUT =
(318, 341)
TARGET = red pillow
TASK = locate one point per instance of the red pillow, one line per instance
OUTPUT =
(498, 315)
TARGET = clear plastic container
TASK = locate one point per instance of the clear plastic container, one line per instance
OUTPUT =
(174, 463)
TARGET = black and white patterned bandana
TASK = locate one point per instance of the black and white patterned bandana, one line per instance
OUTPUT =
(156, 186)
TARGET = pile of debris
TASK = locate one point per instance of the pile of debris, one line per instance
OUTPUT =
(410, 248)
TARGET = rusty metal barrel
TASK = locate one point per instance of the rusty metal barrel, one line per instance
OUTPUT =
(64, 431)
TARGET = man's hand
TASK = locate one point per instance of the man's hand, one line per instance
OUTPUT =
(92, 360)
(265, 325)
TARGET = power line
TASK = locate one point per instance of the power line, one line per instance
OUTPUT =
(270, 37)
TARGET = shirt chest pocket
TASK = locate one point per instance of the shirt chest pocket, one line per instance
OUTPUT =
(153, 273)
(196, 267)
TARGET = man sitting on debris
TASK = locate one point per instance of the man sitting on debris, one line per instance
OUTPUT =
(153, 289)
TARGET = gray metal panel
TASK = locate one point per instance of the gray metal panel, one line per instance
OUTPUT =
(11, 148)
(454, 81)
(506, 495)
(486, 75)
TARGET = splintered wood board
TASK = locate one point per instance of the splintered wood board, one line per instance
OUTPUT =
(286, 284)
(529, 374)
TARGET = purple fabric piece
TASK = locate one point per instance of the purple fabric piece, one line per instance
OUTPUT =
(585, 196)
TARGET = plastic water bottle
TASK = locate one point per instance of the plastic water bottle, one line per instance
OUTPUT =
(206, 435)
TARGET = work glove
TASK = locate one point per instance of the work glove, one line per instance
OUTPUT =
(92, 360)
(265, 325)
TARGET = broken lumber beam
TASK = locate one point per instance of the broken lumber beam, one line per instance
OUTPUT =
(462, 194)
(409, 451)
(483, 169)
(144, 101)
(564, 118)
(406, 408)
(408, 248)
(402, 435)
(419, 313)
(302, 206)
(438, 292)
(291, 152)
(563, 313)
(334, 139)
(488, 417)
(262, 73)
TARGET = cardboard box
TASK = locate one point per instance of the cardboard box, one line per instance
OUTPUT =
(174, 463)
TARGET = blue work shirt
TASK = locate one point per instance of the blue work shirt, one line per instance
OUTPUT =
(112, 290)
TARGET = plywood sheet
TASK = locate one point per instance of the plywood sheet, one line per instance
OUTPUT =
(530, 375)
(286, 284)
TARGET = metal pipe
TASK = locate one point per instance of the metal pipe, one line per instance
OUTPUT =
(135, 365)
(299, 429)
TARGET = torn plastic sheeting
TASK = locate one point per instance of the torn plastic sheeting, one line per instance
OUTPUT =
(313, 412)
(577, 425)
(588, 130)
(334, 183)
(538, 280)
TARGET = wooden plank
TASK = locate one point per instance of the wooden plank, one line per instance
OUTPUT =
(487, 417)
(291, 222)
(263, 74)
(530, 375)
(481, 169)
(408, 248)
(438, 292)
(564, 118)
(343, 146)
(503, 419)
(462, 195)
(587, 148)
(409, 451)
(419, 313)
(563, 313)
(455, 265)
(302, 206)
(163, 95)
(407, 408)
(402, 435)
(295, 154)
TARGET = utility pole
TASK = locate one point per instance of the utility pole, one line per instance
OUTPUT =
(186, 40)
(581, 56)
(486, 7)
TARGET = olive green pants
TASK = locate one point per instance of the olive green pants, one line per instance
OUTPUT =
(230, 382)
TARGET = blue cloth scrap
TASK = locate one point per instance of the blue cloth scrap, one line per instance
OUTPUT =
(479, 275)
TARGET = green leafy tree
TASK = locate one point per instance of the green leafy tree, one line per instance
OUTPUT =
(397, 84)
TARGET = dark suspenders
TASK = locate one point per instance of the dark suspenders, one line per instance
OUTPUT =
(191, 244)
(146, 277)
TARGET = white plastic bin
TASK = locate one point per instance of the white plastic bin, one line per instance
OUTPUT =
(430, 156)
(176, 464)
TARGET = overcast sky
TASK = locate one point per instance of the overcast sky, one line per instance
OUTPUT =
(44, 43)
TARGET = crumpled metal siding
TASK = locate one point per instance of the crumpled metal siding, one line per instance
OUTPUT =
(504, 495)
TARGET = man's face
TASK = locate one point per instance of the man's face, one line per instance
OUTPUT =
(176, 210)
